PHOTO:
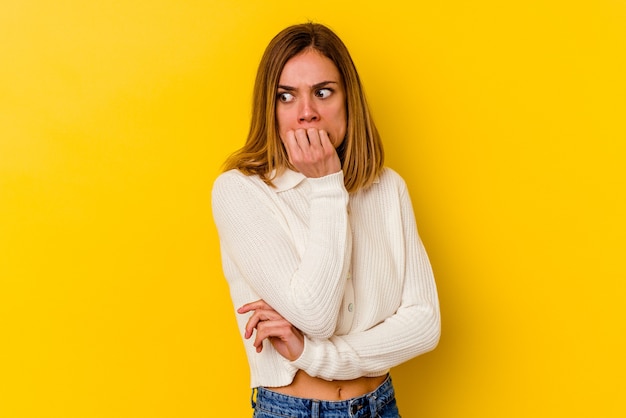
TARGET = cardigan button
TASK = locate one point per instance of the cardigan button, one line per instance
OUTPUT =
(350, 307)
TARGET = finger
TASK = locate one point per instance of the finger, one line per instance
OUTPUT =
(325, 140)
(250, 326)
(310, 146)
(314, 137)
(251, 306)
(279, 328)
(260, 315)
(252, 323)
(291, 146)
(302, 139)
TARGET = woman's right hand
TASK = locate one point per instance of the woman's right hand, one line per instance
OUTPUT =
(269, 324)
(311, 152)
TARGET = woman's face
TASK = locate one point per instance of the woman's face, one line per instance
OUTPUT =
(311, 95)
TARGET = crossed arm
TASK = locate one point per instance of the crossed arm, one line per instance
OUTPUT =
(315, 288)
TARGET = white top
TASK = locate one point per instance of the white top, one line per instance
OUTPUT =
(349, 271)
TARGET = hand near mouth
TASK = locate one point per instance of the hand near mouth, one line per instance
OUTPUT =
(311, 152)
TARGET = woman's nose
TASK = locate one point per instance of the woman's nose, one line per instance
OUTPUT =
(308, 111)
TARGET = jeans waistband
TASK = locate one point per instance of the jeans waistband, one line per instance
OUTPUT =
(361, 406)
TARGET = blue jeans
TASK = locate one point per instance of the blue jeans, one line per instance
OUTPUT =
(378, 404)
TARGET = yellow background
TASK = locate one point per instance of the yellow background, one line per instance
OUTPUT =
(506, 118)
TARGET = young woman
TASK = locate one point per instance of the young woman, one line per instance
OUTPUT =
(331, 282)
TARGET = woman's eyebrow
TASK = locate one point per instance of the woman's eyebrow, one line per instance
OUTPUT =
(323, 84)
(314, 86)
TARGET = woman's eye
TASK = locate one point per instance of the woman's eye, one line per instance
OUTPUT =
(285, 97)
(323, 93)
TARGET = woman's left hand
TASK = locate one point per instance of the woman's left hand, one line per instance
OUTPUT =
(286, 339)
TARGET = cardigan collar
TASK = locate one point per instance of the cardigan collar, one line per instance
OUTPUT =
(289, 179)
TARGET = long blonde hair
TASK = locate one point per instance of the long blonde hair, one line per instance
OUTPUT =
(361, 153)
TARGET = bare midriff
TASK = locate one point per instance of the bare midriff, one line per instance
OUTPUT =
(305, 386)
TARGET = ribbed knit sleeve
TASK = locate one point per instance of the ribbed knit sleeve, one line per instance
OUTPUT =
(303, 281)
(413, 329)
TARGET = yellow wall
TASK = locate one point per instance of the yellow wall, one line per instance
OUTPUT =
(505, 117)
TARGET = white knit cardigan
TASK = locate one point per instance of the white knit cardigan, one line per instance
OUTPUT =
(349, 271)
